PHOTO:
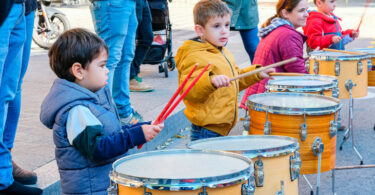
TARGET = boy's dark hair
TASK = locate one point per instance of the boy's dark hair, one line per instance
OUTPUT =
(320, 0)
(205, 9)
(75, 45)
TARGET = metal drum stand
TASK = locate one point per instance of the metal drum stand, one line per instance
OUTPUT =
(317, 149)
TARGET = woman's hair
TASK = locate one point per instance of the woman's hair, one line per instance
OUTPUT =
(288, 5)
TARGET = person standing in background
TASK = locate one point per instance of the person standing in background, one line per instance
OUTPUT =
(12, 39)
(115, 21)
(245, 19)
(144, 40)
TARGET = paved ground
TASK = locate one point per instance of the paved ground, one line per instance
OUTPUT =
(34, 147)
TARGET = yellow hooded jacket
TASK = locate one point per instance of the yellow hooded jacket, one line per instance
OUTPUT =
(206, 106)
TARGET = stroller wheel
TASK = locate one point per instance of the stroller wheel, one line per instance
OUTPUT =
(171, 64)
(161, 69)
(165, 67)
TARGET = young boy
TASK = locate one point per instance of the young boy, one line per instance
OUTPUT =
(211, 105)
(323, 29)
(80, 110)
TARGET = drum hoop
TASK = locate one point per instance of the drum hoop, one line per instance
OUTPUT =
(294, 111)
(266, 152)
(181, 184)
(273, 86)
(316, 56)
(368, 51)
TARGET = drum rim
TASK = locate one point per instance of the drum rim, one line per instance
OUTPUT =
(181, 184)
(266, 152)
(273, 86)
(294, 110)
(368, 51)
(345, 57)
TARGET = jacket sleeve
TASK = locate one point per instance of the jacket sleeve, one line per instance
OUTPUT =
(315, 35)
(293, 47)
(203, 88)
(348, 32)
(250, 80)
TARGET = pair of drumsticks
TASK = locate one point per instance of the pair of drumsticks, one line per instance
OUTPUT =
(168, 109)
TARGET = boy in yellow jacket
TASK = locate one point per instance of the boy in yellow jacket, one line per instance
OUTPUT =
(211, 105)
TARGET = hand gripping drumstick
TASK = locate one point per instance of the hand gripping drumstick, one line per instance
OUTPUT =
(161, 118)
(264, 68)
(343, 51)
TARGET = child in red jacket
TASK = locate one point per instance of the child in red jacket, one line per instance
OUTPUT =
(323, 29)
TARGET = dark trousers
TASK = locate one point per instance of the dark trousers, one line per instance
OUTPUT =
(144, 36)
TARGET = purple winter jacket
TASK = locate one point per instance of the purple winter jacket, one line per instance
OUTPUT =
(280, 44)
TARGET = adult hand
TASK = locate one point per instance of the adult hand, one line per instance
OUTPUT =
(336, 39)
(220, 81)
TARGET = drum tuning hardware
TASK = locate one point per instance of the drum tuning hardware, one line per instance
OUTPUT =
(318, 146)
(303, 129)
(316, 67)
(359, 67)
(144, 191)
(307, 65)
(337, 68)
(295, 165)
(281, 192)
(333, 128)
(369, 64)
(204, 191)
(267, 126)
(259, 173)
(112, 190)
(349, 84)
(248, 188)
(246, 121)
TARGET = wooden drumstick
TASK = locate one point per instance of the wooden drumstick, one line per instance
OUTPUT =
(287, 74)
(264, 68)
(343, 51)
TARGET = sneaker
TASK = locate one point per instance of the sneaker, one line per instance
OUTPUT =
(23, 176)
(132, 119)
(136, 86)
(139, 79)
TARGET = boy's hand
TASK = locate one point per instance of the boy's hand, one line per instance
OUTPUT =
(336, 39)
(355, 34)
(220, 81)
(265, 73)
(150, 131)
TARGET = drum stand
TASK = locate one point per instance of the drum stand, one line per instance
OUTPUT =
(317, 149)
(349, 85)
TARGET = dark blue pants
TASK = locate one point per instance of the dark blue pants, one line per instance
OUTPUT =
(198, 132)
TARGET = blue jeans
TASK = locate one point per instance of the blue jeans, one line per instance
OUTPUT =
(116, 23)
(14, 107)
(198, 132)
(144, 37)
(250, 40)
(12, 38)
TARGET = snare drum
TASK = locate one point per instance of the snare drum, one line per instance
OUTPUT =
(185, 172)
(275, 159)
(317, 84)
(307, 117)
(346, 67)
(371, 66)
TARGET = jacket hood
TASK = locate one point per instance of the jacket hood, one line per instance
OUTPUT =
(317, 15)
(60, 95)
(275, 23)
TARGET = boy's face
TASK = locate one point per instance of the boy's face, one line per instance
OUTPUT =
(216, 30)
(95, 75)
(326, 6)
(298, 15)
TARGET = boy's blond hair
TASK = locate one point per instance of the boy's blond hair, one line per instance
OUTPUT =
(206, 9)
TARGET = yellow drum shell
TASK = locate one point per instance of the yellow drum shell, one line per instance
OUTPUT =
(289, 125)
(348, 70)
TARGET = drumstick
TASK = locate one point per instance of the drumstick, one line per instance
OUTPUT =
(363, 14)
(264, 68)
(180, 87)
(343, 51)
(286, 74)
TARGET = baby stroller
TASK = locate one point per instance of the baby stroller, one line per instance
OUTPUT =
(161, 49)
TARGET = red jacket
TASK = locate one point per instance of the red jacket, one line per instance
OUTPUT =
(320, 29)
(282, 43)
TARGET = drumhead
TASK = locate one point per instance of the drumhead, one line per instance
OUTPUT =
(176, 170)
(369, 51)
(293, 103)
(250, 146)
(331, 56)
(307, 83)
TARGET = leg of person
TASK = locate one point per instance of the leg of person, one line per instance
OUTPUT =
(11, 46)
(250, 40)
(198, 133)
(144, 41)
(19, 174)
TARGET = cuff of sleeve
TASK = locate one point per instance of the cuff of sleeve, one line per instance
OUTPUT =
(207, 79)
(252, 68)
(136, 134)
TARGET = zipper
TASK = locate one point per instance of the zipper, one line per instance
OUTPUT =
(237, 90)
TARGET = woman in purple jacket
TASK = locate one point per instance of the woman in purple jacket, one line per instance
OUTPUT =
(280, 41)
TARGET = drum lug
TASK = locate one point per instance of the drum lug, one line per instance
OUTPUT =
(369, 64)
(112, 190)
(307, 65)
(359, 67)
(246, 122)
(248, 188)
(337, 68)
(317, 146)
(316, 67)
(335, 93)
(295, 165)
(267, 128)
(259, 173)
(281, 192)
(303, 133)
(332, 129)
(204, 191)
